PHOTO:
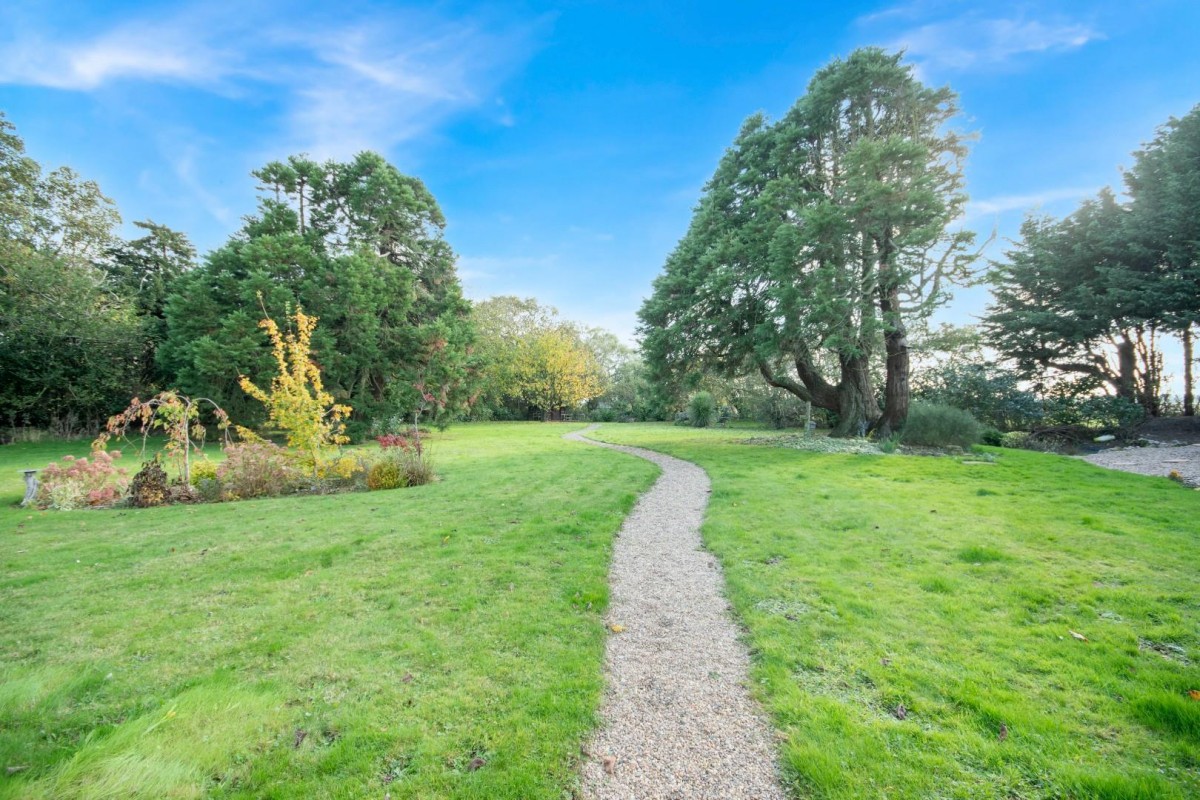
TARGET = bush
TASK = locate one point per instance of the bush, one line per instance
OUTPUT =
(78, 482)
(149, 487)
(991, 437)
(418, 471)
(209, 490)
(411, 462)
(1101, 413)
(989, 392)
(257, 469)
(385, 474)
(1014, 439)
(932, 425)
(605, 414)
(701, 409)
(203, 470)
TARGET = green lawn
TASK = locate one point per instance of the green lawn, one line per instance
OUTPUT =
(439, 641)
(871, 582)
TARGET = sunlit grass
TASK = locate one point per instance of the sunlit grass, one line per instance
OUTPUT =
(439, 641)
(951, 589)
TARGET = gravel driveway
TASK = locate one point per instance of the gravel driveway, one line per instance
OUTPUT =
(1154, 460)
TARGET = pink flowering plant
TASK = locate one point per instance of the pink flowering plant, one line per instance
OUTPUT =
(72, 482)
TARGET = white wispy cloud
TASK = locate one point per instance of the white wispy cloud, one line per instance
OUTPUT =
(974, 39)
(993, 206)
(344, 81)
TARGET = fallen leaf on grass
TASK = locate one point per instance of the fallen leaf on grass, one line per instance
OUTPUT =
(1078, 635)
(1194, 694)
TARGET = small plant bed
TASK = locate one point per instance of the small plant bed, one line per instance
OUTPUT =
(296, 404)
(921, 629)
(239, 471)
(446, 642)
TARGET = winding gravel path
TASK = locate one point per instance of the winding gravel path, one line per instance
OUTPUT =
(677, 719)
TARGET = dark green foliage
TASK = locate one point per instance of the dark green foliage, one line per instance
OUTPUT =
(1098, 412)
(933, 425)
(702, 409)
(808, 235)
(360, 246)
(1090, 295)
(145, 270)
(149, 487)
(992, 437)
(1073, 290)
(69, 345)
(69, 349)
(991, 393)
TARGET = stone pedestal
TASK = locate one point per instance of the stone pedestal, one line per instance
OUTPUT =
(31, 486)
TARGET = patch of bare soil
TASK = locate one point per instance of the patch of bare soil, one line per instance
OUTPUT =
(1184, 430)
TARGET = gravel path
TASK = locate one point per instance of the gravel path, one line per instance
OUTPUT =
(1161, 460)
(677, 719)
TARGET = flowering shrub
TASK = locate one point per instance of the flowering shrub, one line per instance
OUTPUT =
(78, 482)
(257, 469)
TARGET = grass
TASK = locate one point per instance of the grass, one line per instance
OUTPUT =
(439, 641)
(900, 610)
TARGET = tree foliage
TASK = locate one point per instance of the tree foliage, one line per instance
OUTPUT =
(1089, 296)
(296, 400)
(532, 361)
(68, 340)
(556, 371)
(817, 240)
(357, 244)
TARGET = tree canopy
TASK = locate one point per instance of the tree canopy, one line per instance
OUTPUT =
(357, 244)
(1088, 296)
(533, 362)
(68, 340)
(816, 241)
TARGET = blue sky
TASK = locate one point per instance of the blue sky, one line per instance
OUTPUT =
(566, 142)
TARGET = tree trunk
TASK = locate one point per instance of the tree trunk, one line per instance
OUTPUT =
(896, 387)
(852, 399)
(1189, 397)
(857, 408)
(1127, 365)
